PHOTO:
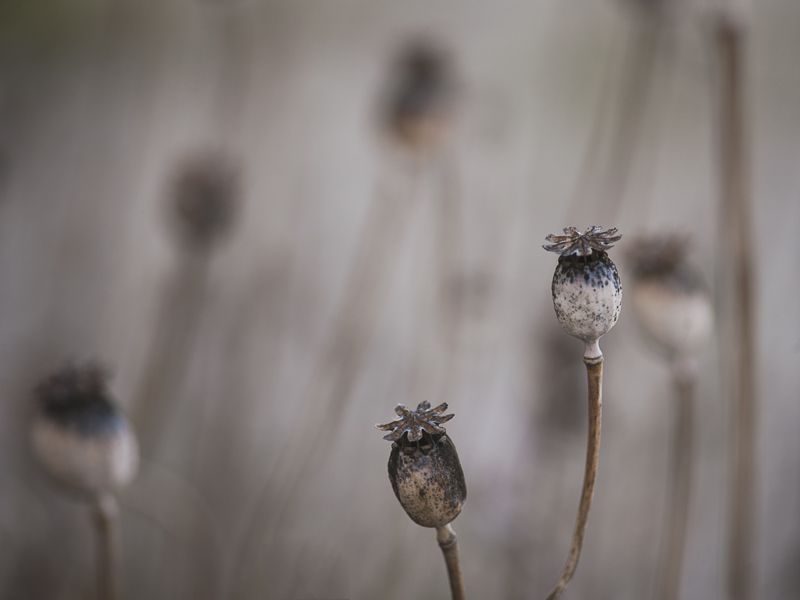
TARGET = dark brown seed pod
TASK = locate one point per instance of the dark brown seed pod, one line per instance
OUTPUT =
(205, 199)
(80, 437)
(424, 468)
(421, 103)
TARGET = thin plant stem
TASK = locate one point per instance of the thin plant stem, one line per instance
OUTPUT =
(336, 371)
(680, 484)
(168, 359)
(106, 517)
(448, 542)
(738, 252)
(594, 372)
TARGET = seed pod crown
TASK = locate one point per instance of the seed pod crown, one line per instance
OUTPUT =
(424, 419)
(78, 396)
(575, 243)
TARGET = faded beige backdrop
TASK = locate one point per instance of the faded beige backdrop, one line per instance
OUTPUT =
(258, 481)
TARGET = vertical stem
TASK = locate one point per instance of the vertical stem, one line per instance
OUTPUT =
(738, 253)
(594, 372)
(106, 516)
(449, 248)
(449, 545)
(336, 372)
(168, 357)
(680, 487)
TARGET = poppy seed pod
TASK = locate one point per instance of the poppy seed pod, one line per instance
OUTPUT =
(79, 436)
(421, 103)
(205, 199)
(669, 297)
(424, 468)
(587, 293)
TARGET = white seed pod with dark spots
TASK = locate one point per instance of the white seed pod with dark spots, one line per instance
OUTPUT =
(587, 292)
(669, 297)
(424, 469)
(81, 439)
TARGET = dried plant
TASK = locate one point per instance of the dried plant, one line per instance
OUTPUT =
(85, 443)
(202, 206)
(420, 105)
(739, 276)
(674, 310)
(427, 478)
(587, 296)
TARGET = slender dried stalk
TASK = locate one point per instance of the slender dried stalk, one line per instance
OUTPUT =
(337, 370)
(167, 362)
(680, 485)
(594, 372)
(738, 252)
(106, 515)
(449, 545)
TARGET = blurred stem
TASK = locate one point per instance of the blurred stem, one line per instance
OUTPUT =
(336, 371)
(737, 253)
(449, 545)
(106, 516)
(168, 358)
(593, 359)
(449, 254)
(680, 484)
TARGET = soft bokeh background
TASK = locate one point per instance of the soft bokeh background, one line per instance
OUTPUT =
(262, 474)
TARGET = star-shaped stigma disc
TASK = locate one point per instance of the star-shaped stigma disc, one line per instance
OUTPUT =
(424, 419)
(575, 243)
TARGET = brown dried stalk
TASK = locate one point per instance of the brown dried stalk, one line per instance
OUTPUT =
(448, 542)
(594, 372)
(737, 248)
(106, 515)
(680, 484)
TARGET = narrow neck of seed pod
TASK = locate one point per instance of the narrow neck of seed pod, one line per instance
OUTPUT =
(592, 353)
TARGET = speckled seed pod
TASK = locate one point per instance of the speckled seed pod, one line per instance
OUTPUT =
(669, 297)
(79, 436)
(587, 293)
(424, 468)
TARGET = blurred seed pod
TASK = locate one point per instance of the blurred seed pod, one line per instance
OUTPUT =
(587, 293)
(424, 469)
(421, 104)
(205, 199)
(80, 437)
(669, 297)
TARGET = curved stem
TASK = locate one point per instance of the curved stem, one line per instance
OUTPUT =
(449, 545)
(680, 487)
(594, 371)
(106, 513)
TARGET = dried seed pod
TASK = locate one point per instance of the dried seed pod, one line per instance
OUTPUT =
(205, 199)
(79, 436)
(669, 297)
(424, 468)
(421, 104)
(587, 293)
